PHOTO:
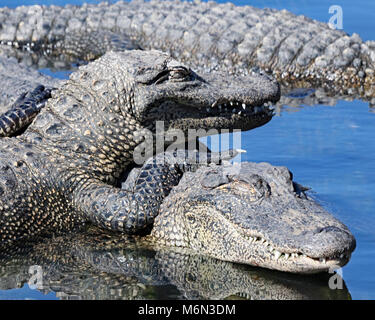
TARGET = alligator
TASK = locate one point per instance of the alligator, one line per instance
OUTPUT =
(252, 213)
(224, 211)
(48, 134)
(95, 265)
(65, 169)
(297, 50)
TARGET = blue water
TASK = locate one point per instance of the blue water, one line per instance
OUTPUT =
(328, 148)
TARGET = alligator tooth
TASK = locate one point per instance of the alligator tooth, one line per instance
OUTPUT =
(341, 256)
(286, 255)
(244, 106)
(234, 110)
(239, 112)
(277, 254)
(231, 103)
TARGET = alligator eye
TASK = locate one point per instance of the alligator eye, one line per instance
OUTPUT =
(179, 74)
(160, 78)
(174, 74)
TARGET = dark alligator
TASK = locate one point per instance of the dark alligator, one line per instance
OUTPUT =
(207, 35)
(64, 169)
(95, 265)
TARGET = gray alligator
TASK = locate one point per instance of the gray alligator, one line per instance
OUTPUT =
(243, 212)
(48, 137)
(95, 265)
(210, 36)
(250, 213)
(64, 169)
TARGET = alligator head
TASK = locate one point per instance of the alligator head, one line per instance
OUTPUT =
(253, 214)
(152, 86)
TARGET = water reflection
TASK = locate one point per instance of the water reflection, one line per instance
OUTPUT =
(95, 265)
(293, 99)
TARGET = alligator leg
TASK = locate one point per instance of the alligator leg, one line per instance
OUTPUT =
(135, 208)
(23, 111)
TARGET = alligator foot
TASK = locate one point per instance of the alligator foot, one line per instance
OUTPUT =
(134, 209)
(23, 111)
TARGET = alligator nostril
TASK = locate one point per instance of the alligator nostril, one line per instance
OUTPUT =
(327, 229)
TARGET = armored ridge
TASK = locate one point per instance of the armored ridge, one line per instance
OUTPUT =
(210, 36)
(63, 171)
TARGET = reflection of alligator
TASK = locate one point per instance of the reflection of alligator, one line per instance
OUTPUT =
(208, 35)
(64, 169)
(95, 265)
(300, 97)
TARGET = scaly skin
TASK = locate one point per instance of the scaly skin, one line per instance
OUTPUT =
(253, 214)
(208, 36)
(23, 111)
(63, 171)
(97, 265)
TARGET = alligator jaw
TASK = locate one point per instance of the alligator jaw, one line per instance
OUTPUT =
(233, 114)
(287, 261)
(238, 107)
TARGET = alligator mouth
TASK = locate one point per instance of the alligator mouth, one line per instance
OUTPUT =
(292, 258)
(226, 108)
(220, 114)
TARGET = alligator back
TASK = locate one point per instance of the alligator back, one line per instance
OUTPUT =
(25, 194)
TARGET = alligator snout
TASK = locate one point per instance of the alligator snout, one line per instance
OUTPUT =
(328, 242)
